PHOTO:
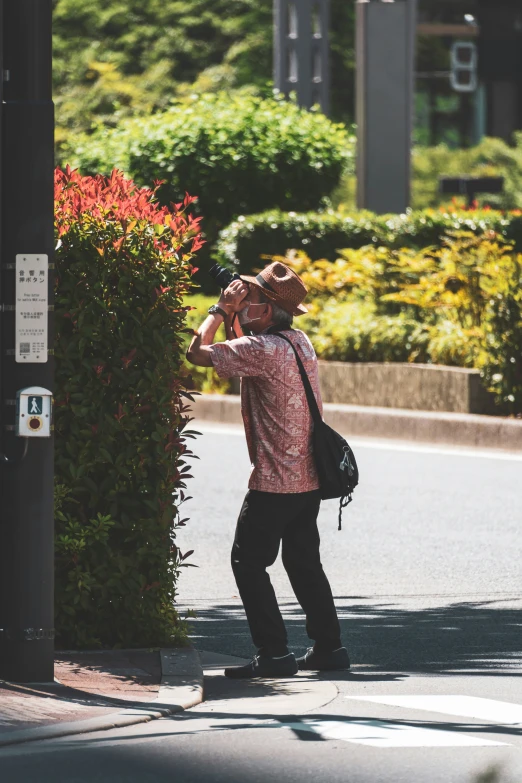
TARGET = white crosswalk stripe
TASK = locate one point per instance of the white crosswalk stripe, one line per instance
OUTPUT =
(383, 734)
(501, 712)
(404, 733)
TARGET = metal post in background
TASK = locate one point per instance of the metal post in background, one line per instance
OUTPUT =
(301, 62)
(385, 44)
(500, 64)
(26, 469)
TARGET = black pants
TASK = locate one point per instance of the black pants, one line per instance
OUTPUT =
(265, 520)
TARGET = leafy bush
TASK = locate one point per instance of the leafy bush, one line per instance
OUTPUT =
(491, 158)
(123, 268)
(355, 332)
(237, 153)
(476, 284)
(321, 236)
(460, 304)
(248, 239)
(369, 274)
(503, 370)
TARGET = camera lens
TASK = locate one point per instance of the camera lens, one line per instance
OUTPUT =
(222, 275)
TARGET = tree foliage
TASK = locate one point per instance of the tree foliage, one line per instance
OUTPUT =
(116, 59)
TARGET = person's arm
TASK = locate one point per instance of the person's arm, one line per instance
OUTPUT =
(231, 301)
(233, 328)
(198, 352)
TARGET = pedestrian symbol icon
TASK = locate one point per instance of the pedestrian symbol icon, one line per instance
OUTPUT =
(35, 406)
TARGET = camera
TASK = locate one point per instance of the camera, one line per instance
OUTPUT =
(223, 276)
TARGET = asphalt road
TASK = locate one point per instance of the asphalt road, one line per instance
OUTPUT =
(427, 571)
(427, 575)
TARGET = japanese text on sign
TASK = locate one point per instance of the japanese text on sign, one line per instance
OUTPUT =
(32, 286)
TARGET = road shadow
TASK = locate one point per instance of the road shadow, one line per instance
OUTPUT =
(463, 637)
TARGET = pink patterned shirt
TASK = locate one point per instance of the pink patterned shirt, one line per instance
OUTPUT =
(278, 424)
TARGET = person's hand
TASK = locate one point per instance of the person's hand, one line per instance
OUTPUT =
(234, 298)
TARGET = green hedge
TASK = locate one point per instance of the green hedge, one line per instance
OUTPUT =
(322, 235)
(237, 153)
(123, 268)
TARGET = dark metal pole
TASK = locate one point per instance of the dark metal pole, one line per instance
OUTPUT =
(26, 480)
(385, 34)
(301, 51)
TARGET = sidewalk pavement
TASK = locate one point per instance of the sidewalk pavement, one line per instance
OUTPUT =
(91, 689)
(100, 690)
(304, 692)
(467, 430)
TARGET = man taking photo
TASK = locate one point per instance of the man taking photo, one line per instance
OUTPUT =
(283, 498)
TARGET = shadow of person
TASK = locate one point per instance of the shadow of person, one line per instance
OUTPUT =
(393, 635)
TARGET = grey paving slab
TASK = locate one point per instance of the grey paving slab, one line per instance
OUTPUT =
(293, 695)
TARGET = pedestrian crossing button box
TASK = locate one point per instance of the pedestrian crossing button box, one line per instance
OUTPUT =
(34, 412)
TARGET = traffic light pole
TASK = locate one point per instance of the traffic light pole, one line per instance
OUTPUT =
(26, 465)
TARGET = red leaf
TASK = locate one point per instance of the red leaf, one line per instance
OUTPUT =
(128, 359)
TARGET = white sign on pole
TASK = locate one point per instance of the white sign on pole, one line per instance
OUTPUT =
(32, 287)
(464, 62)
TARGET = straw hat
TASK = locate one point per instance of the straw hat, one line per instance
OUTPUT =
(282, 286)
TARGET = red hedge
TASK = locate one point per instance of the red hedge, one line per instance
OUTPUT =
(123, 266)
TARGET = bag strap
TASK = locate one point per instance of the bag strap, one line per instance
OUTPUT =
(314, 410)
(310, 396)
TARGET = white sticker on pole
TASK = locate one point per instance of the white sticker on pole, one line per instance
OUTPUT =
(32, 292)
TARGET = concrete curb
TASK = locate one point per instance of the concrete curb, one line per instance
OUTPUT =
(181, 688)
(453, 429)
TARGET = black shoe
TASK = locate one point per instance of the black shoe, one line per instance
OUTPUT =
(324, 661)
(263, 666)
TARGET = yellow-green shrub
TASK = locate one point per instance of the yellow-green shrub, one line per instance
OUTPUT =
(355, 332)
(466, 296)
(459, 304)
(368, 274)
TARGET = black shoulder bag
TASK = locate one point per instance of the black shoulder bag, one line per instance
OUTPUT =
(334, 459)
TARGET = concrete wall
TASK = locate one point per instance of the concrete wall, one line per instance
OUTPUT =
(408, 386)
